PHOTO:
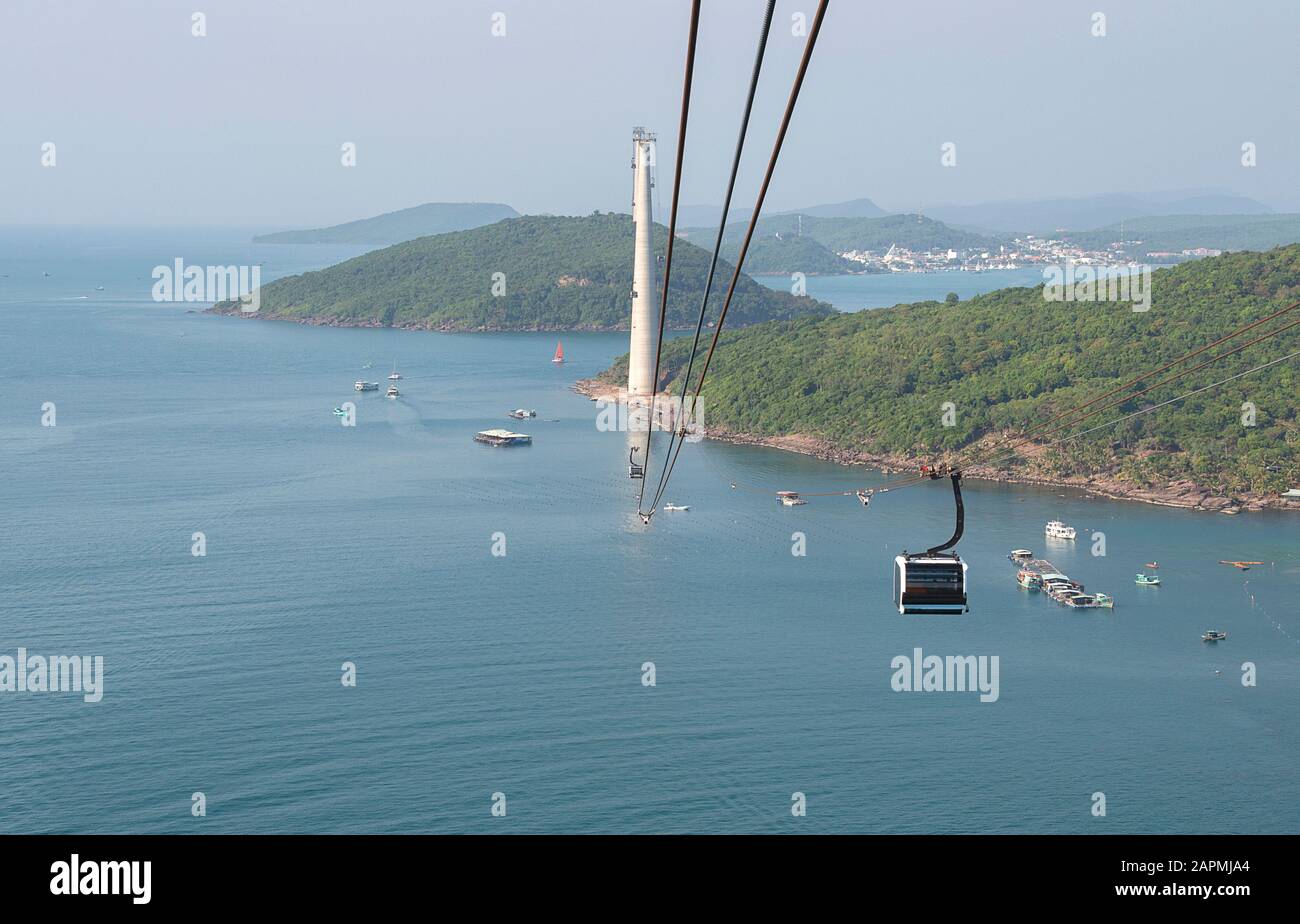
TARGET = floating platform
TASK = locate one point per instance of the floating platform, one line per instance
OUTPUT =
(498, 437)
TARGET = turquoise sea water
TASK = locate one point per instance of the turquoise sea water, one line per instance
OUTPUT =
(522, 674)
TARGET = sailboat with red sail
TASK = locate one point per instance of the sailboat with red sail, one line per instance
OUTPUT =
(559, 352)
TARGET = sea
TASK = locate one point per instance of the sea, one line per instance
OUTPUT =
(393, 628)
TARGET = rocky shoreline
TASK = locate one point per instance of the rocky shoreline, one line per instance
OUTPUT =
(1184, 494)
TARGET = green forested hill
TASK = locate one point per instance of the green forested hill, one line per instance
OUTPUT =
(555, 274)
(1183, 232)
(875, 381)
(402, 225)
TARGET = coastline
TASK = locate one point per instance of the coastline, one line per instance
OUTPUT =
(1182, 494)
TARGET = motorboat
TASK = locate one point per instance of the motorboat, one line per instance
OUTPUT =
(1058, 530)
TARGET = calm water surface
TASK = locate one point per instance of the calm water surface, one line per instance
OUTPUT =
(521, 674)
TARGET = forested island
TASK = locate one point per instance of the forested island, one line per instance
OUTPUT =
(529, 273)
(871, 386)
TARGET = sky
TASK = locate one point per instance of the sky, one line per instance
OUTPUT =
(245, 125)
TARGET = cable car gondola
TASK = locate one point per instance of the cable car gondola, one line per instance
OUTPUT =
(934, 581)
(634, 469)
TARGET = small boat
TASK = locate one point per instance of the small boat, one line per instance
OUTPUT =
(392, 392)
(677, 506)
(1089, 601)
(1058, 530)
(394, 375)
(1153, 565)
(99, 288)
(1020, 555)
(521, 414)
(790, 498)
(366, 386)
(339, 412)
(1214, 635)
(1030, 580)
(559, 352)
(1242, 565)
(1147, 580)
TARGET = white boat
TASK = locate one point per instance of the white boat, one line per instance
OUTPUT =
(677, 506)
(1058, 530)
(790, 498)
(521, 414)
(1020, 555)
(366, 386)
(392, 392)
(394, 375)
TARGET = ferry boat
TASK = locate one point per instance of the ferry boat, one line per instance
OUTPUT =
(1058, 530)
(392, 391)
(1147, 580)
(498, 437)
(1214, 635)
(366, 386)
(790, 498)
(1020, 555)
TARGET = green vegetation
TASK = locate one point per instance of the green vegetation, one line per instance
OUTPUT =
(555, 273)
(1175, 233)
(403, 225)
(874, 381)
(837, 235)
(776, 253)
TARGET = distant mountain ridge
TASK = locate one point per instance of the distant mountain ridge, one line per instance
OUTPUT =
(399, 226)
(528, 273)
(1089, 212)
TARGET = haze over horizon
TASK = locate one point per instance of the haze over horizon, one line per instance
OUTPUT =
(540, 118)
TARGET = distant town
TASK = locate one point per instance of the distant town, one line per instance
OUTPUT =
(1026, 251)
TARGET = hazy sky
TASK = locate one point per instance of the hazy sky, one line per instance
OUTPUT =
(153, 125)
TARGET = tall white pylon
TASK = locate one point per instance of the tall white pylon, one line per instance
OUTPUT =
(645, 303)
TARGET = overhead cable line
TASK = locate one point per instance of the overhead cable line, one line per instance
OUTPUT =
(813, 32)
(713, 265)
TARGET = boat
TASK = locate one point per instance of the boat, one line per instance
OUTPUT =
(1147, 580)
(1030, 580)
(499, 437)
(394, 375)
(1214, 635)
(790, 498)
(392, 392)
(559, 352)
(1089, 601)
(1153, 565)
(521, 414)
(1242, 565)
(339, 412)
(366, 386)
(677, 506)
(1020, 555)
(1058, 530)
